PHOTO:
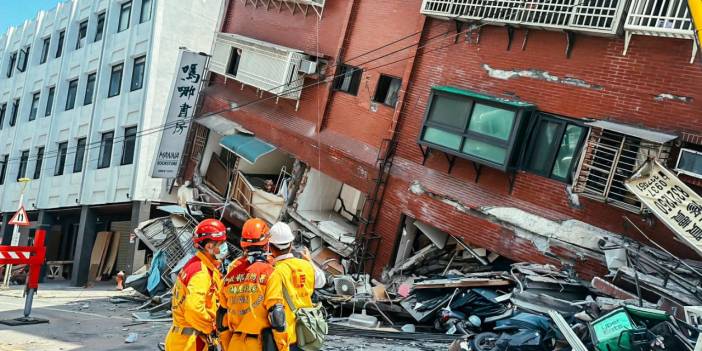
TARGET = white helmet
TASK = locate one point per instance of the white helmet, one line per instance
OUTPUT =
(281, 235)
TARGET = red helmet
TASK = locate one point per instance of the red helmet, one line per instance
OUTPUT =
(254, 233)
(211, 229)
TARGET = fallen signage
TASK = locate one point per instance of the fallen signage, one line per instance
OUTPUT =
(180, 109)
(673, 202)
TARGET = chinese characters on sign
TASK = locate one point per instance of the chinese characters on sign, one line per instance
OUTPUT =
(671, 201)
(186, 87)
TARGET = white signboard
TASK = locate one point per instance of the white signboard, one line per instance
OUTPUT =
(670, 200)
(180, 109)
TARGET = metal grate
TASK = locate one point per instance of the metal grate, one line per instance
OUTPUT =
(594, 16)
(609, 159)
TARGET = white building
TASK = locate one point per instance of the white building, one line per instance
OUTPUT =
(83, 88)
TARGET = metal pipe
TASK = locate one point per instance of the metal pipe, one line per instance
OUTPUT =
(28, 301)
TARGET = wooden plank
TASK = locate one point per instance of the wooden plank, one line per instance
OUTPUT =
(97, 253)
(112, 254)
(103, 258)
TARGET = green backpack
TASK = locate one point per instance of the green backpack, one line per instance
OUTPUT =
(310, 324)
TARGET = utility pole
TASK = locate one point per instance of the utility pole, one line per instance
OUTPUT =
(15, 234)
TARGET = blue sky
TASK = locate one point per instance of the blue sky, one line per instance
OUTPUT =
(14, 12)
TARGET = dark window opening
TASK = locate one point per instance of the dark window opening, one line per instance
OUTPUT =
(11, 66)
(234, 59)
(100, 27)
(3, 168)
(49, 102)
(387, 91)
(35, 106)
(145, 11)
(61, 158)
(105, 156)
(71, 96)
(82, 34)
(3, 109)
(115, 80)
(23, 59)
(128, 145)
(138, 73)
(80, 155)
(39, 162)
(89, 89)
(348, 79)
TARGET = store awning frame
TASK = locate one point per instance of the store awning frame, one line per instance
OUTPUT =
(247, 147)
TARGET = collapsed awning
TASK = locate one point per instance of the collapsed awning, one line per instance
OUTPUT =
(247, 147)
(220, 124)
(641, 133)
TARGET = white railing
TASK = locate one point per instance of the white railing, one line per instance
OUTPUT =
(592, 16)
(660, 18)
(301, 6)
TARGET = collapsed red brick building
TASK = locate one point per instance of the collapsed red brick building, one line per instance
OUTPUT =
(509, 126)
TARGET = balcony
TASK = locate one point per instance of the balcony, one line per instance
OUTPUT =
(267, 67)
(303, 6)
(596, 17)
(660, 18)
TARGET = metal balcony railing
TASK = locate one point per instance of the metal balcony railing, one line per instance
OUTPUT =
(301, 6)
(600, 17)
(661, 18)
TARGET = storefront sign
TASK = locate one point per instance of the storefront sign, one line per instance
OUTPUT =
(181, 106)
(670, 200)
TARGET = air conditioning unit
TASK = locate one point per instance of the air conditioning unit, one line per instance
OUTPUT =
(308, 67)
(689, 163)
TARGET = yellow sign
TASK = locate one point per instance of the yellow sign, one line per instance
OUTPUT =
(670, 200)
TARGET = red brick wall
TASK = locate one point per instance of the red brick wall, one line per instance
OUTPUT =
(625, 90)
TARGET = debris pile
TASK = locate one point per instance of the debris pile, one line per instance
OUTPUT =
(485, 303)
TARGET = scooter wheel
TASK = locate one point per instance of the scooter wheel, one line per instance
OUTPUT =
(485, 342)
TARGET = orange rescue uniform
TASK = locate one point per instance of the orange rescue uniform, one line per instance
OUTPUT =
(297, 275)
(194, 304)
(247, 298)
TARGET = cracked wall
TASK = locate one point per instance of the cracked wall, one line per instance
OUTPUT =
(539, 75)
(673, 97)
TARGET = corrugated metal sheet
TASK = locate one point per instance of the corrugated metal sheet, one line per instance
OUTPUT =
(122, 229)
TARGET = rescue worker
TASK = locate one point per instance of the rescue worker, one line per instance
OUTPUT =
(252, 311)
(196, 290)
(299, 276)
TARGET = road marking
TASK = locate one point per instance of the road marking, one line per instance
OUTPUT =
(69, 311)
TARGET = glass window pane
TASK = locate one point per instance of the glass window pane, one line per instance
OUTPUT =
(443, 138)
(80, 154)
(492, 121)
(691, 162)
(567, 151)
(449, 111)
(145, 11)
(543, 146)
(49, 102)
(486, 151)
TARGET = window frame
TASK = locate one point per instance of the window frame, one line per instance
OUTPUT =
(90, 87)
(38, 163)
(377, 89)
(99, 27)
(82, 29)
(46, 46)
(3, 112)
(233, 64)
(59, 45)
(110, 93)
(61, 155)
(354, 84)
(510, 145)
(15, 112)
(80, 154)
(144, 4)
(24, 161)
(134, 71)
(125, 144)
(50, 101)
(23, 59)
(3, 168)
(105, 161)
(68, 95)
(11, 67)
(34, 107)
(128, 6)
(563, 122)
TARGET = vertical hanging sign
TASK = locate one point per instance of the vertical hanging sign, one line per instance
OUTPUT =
(179, 112)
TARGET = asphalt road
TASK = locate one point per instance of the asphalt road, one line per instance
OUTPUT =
(84, 319)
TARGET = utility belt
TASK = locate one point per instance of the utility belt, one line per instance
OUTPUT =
(246, 335)
(185, 331)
